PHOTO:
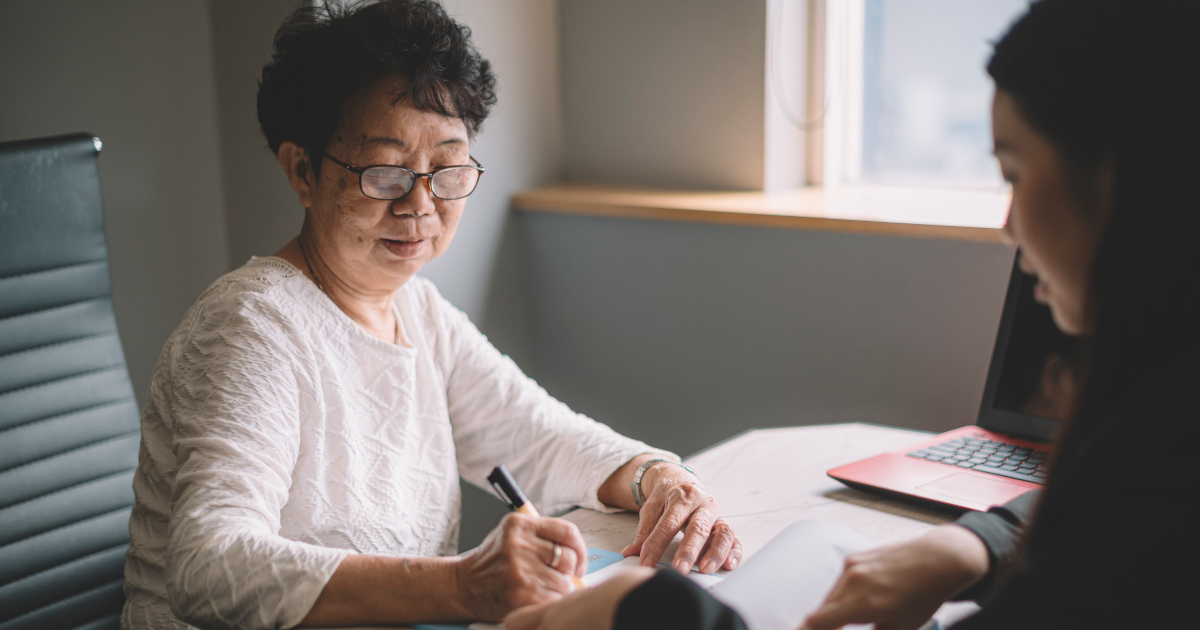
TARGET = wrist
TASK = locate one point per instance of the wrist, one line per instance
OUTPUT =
(666, 472)
(457, 584)
(965, 554)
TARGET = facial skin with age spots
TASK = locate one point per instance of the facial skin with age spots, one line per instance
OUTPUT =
(362, 250)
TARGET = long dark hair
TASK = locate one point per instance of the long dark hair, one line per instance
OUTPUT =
(1117, 79)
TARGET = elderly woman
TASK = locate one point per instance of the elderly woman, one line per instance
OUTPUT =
(308, 422)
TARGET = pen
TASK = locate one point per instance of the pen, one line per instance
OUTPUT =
(511, 493)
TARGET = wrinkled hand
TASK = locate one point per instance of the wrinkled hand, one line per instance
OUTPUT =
(676, 502)
(591, 609)
(900, 587)
(512, 568)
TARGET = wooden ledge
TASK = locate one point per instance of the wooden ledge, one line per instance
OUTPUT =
(915, 212)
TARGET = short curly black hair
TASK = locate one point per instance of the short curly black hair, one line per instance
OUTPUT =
(325, 54)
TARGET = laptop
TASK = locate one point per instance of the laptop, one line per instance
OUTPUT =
(1030, 385)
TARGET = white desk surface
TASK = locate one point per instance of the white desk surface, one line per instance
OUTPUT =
(766, 479)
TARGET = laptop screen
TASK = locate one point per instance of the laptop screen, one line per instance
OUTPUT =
(1035, 367)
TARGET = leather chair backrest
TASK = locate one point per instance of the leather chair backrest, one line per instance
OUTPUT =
(69, 428)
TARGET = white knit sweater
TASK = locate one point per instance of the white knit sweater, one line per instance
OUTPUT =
(279, 436)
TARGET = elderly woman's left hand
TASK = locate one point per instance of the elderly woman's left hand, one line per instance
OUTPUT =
(677, 501)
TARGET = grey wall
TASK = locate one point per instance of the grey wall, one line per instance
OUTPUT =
(666, 93)
(520, 144)
(140, 76)
(261, 210)
(683, 334)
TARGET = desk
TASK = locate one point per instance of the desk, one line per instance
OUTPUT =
(767, 479)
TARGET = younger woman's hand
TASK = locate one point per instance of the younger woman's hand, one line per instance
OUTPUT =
(512, 568)
(900, 587)
(591, 609)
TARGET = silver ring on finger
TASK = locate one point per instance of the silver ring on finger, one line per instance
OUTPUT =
(556, 557)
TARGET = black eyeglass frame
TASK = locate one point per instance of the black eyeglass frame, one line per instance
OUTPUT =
(359, 170)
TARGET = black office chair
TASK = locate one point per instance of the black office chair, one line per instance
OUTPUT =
(68, 419)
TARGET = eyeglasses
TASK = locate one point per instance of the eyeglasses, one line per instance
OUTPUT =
(387, 182)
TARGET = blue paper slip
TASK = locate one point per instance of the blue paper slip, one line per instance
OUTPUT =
(597, 559)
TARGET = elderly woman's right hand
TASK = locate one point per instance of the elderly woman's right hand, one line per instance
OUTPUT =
(511, 569)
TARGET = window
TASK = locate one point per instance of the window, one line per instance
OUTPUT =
(906, 99)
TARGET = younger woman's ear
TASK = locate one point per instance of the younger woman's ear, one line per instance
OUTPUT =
(294, 160)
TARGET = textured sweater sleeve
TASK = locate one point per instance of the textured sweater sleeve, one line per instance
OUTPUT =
(500, 416)
(669, 601)
(1001, 529)
(237, 385)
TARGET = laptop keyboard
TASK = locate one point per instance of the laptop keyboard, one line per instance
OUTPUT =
(989, 456)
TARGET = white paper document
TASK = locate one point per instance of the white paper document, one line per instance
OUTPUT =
(786, 580)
